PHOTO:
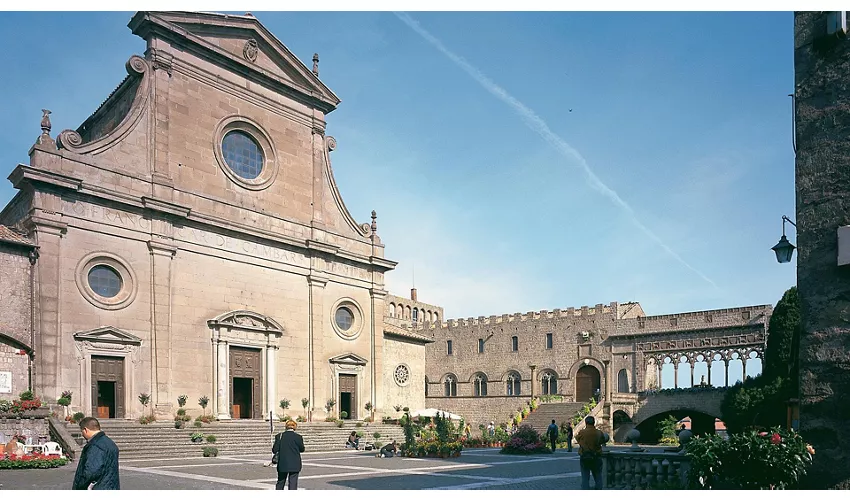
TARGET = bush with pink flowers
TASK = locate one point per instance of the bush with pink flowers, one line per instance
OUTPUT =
(525, 441)
(776, 459)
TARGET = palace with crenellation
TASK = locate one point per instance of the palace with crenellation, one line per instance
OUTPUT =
(189, 238)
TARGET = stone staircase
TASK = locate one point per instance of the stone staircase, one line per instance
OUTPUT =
(540, 418)
(236, 437)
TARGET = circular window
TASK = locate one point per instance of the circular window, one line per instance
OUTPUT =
(401, 374)
(242, 154)
(347, 318)
(105, 281)
(344, 318)
(245, 153)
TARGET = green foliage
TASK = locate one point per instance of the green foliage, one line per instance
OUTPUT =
(525, 441)
(63, 401)
(343, 414)
(181, 400)
(77, 417)
(757, 402)
(359, 434)
(667, 429)
(378, 445)
(358, 424)
(196, 437)
(144, 398)
(210, 451)
(339, 423)
(409, 430)
(368, 406)
(749, 461)
(376, 435)
(211, 439)
(784, 324)
(5, 405)
(330, 404)
(26, 396)
(147, 419)
(305, 402)
(198, 423)
(284, 404)
(203, 401)
(585, 411)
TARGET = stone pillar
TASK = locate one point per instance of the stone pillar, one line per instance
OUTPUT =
(271, 377)
(692, 373)
(317, 368)
(377, 299)
(533, 367)
(726, 373)
(709, 372)
(608, 380)
(744, 364)
(222, 380)
(675, 374)
(823, 187)
(161, 345)
(48, 343)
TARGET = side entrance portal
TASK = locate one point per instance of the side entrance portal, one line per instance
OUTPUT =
(107, 387)
(348, 395)
(587, 383)
(246, 383)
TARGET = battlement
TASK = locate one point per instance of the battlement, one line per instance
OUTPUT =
(633, 322)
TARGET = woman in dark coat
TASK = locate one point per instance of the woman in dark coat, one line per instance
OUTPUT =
(288, 446)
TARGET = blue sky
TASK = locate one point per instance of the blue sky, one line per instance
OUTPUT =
(685, 116)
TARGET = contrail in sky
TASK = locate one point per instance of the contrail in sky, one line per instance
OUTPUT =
(538, 125)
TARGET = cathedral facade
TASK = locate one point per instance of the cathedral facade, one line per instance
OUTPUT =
(191, 239)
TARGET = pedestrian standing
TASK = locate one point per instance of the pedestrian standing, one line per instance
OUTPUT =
(98, 465)
(552, 430)
(569, 437)
(288, 446)
(590, 441)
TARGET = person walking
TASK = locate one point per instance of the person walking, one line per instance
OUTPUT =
(569, 437)
(552, 430)
(288, 446)
(98, 465)
(590, 441)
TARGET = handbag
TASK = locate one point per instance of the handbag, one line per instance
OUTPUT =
(275, 457)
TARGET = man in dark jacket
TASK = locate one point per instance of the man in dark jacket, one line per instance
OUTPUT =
(552, 431)
(98, 465)
(288, 446)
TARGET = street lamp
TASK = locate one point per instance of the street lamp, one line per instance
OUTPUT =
(784, 249)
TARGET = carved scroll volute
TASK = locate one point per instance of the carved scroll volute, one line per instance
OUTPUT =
(71, 139)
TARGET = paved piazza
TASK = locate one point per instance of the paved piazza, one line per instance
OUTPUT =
(475, 469)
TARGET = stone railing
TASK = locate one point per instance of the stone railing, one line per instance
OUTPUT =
(596, 413)
(640, 470)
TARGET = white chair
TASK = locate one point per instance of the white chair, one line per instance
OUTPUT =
(51, 448)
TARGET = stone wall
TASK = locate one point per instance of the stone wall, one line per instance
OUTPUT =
(15, 318)
(410, 354)
(480, 410)
(821, 66)
(15, 364)
(27, 426)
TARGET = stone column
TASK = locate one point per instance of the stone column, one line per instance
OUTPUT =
(223, 380)
(744, 363)
(692, 373)
(709, 371)
(675, 374)
(377, 299)
(608, 379)
(726, 373)
(162, 256)
(271, 377)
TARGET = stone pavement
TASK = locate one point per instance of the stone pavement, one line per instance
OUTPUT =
(481, 468)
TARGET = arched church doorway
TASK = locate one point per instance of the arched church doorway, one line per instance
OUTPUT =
(587, 383)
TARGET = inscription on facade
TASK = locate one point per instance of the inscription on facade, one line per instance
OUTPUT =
(346, 270)
(108, 215)
(240, 246)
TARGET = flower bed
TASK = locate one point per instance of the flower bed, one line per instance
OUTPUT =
(434, 449)
(32, 461)
(525, 441)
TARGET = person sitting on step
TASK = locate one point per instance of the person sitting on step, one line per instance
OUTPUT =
(353, 441)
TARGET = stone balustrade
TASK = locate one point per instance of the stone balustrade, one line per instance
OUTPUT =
(639, 470)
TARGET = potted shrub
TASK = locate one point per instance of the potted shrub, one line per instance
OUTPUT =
(203, 401)
(211, 438)
(305, 402)
(197, 437)
(210, 451)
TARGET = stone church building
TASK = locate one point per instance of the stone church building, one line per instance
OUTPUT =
(189, 238)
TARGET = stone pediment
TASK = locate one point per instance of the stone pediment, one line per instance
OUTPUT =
(246, 320)
(239, 42)
(107, 335)
(348, 359)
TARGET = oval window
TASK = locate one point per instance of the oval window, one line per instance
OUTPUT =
(105, 281)
(344, 318)
(242, 154)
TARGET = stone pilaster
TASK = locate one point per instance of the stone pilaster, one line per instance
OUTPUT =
(376, 342)
(271, 377)
(162, 257)
(48, 343)
(316, 369)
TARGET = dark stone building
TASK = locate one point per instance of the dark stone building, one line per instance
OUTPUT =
(822, 88)
(17, 256)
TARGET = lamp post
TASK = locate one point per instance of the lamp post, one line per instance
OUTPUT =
(784, 249)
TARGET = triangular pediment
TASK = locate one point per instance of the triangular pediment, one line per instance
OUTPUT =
(348, 359)
(108, 335)
(241, 43)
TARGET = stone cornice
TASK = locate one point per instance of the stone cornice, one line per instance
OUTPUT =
(165, 207)
(25, 173)
(165, 26)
